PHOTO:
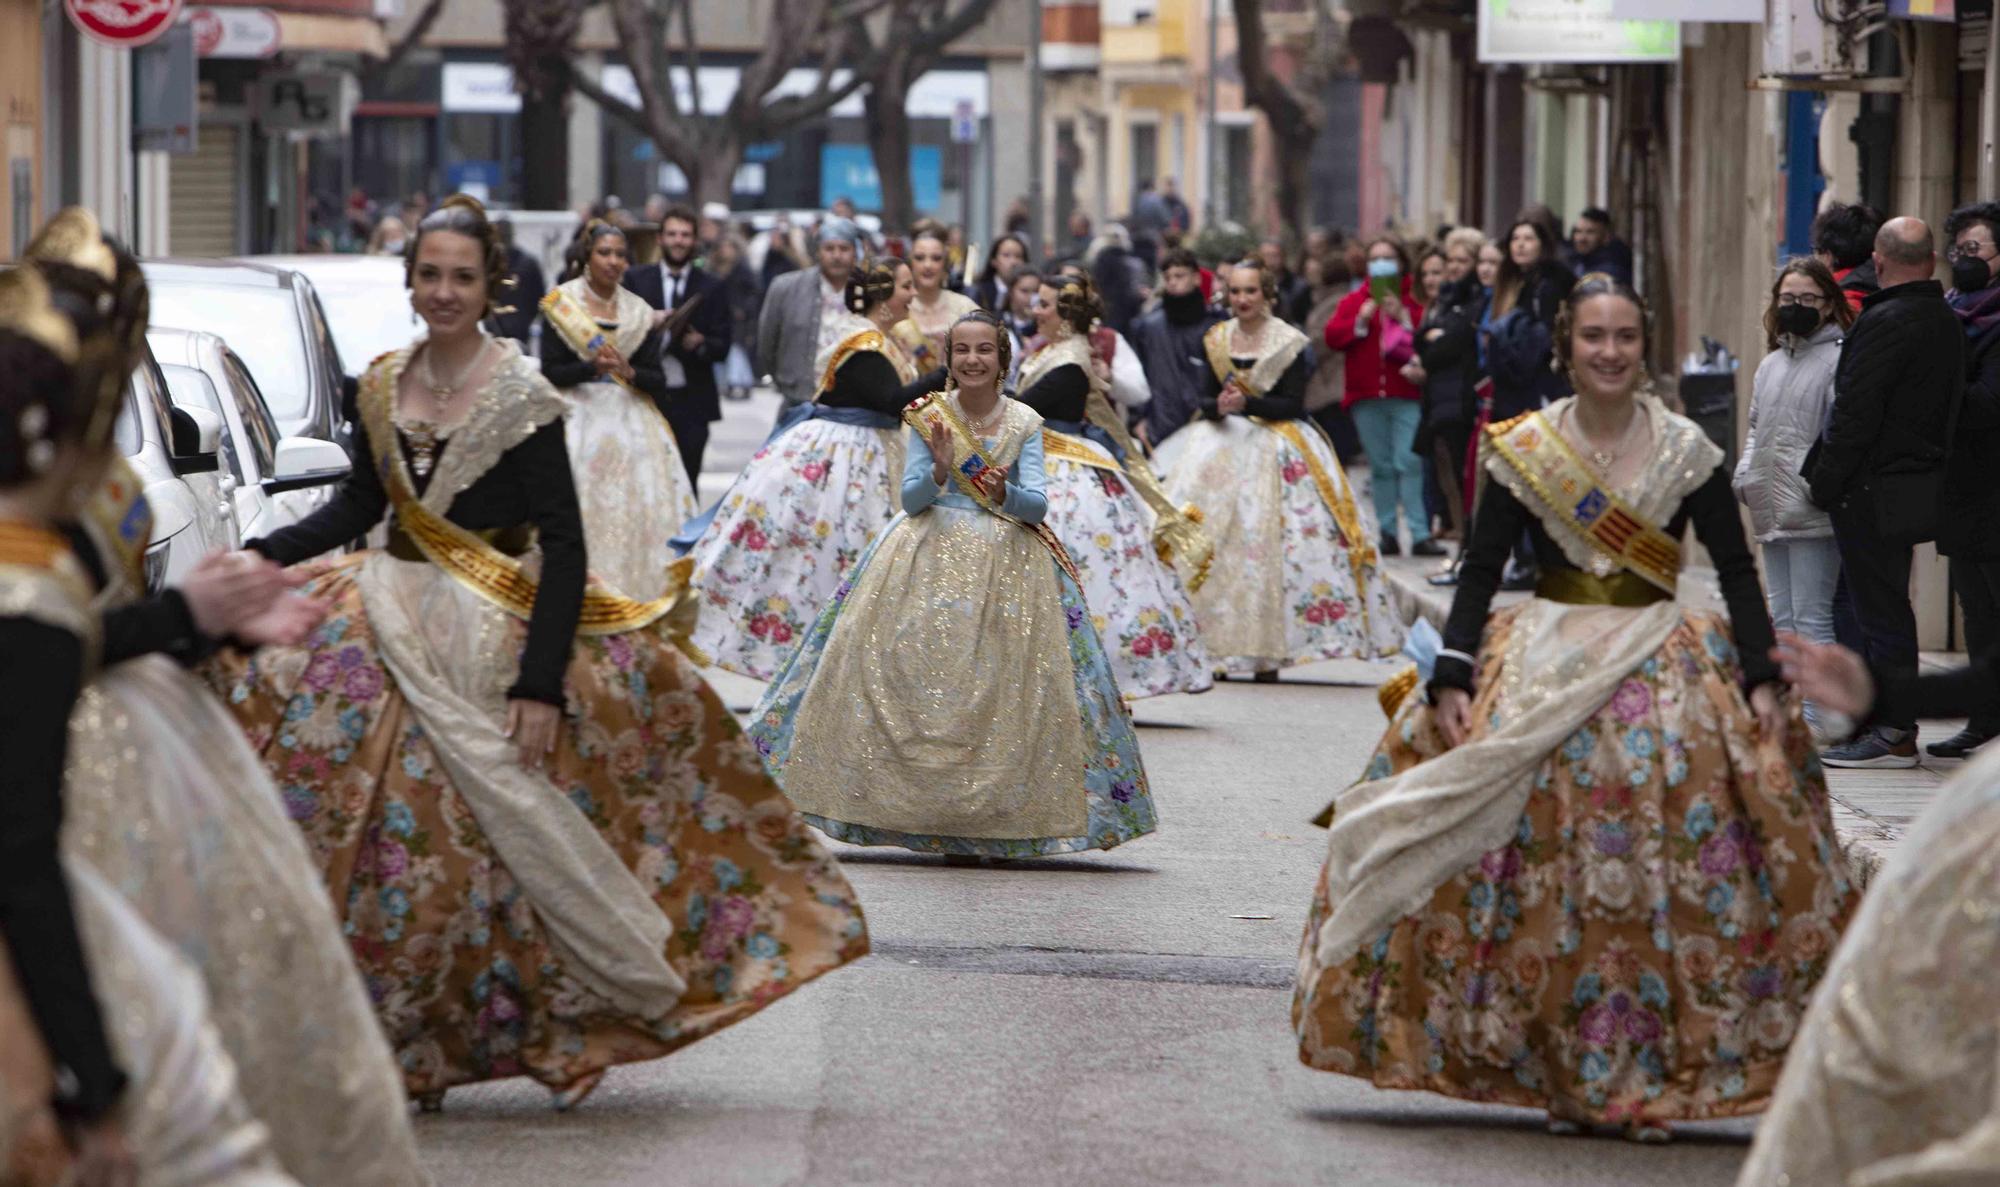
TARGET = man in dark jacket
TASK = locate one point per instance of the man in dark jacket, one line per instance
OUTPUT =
(1167, 339)
(677, 283)
(524, 297)
(1969, 530)
(1880, 468)
(1597, 249)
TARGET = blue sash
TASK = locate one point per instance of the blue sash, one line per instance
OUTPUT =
(1085, 429)
(683, 541)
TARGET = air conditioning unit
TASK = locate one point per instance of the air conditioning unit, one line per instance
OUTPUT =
(1814, 38)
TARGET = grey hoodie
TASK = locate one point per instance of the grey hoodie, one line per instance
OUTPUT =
(1789, 401)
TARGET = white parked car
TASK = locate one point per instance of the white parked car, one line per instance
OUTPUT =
(176, 454)
(367, 308)
(271, 481)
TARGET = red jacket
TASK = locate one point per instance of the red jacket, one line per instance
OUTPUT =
(1369, 375)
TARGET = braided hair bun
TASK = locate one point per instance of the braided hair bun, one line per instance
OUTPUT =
(1077, 304)
(869, 285)
(465, 215)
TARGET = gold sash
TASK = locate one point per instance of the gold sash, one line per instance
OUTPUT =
(493, 575)
(1568, 491)
(581, 333)
(919, 346)
(1074, 449)
(971, 467)
(867, 340)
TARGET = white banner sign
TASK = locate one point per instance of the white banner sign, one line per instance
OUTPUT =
(1720, 12)
(1577, 31)
(483, 87)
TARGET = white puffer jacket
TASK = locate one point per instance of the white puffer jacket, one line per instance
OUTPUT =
(1788, 405)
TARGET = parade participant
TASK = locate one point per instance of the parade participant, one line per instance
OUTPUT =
(553, 849)
(111, 1070)
(934, 307)
(1295, 576)
(1138, 604)
(1596, 874)
(603, 351)
(953, 697)
(802, 512)
(1891, 1077)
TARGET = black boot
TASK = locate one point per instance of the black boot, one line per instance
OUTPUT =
(1389, 545)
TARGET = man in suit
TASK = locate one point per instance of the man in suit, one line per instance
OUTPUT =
(802, 309)
(690, 355)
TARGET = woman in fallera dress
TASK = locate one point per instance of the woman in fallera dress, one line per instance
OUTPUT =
(111, 1068)
(1595, 874)
(602, 348)
(934, 307)
(1295, 577)
(799, 516)
(1137, 601)
(551, 845)
(953, 697)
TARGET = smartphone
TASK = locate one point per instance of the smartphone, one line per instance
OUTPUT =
(1381, 288)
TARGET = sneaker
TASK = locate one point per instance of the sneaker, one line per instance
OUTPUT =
(1519, 578)
(1960, 744)
(1389, 545)
(1873, 751)
(1429, 547)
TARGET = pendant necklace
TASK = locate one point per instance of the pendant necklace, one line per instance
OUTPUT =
(424, 436)
(1603, 459)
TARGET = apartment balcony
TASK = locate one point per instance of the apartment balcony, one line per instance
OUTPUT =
(1161, 36)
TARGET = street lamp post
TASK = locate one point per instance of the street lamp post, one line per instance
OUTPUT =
(1213, 171)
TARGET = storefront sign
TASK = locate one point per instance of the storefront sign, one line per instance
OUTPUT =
(1579, 31)
(126, 24)
(307, 104)
(235, 32)
(848, 171)
(1719, 12)
(485, 88)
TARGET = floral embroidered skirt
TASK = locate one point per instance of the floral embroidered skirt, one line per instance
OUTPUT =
(786, 534)
(1137, 602)
(955, 699)
(461, 969)
(1645, 946)
(1282, 589)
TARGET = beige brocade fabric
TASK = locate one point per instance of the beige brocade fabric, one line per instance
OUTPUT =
(1230, 468)
(945, 702)
(1894, 1076)
(165, 800)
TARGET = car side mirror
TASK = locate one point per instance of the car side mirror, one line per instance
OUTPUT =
(303, 462)
(195, 443)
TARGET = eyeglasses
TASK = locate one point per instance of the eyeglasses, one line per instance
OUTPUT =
(1808, 300)
(1974, 250)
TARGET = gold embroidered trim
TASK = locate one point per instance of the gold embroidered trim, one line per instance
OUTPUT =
(932, 408)
(492, 574)
(868, 341)
(42, 580)
(1076, 449)
(1282, 345)
(1566, 490)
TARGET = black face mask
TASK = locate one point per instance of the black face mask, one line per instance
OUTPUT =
(1797, 320)
(1969, 275)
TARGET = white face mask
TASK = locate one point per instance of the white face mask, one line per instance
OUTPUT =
(393, 246)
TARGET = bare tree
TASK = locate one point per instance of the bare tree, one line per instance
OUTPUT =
(541, 36)
(426, 17)
(910, 42)
(1292, 109)
(660, 38)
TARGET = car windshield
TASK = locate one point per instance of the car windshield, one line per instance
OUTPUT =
(367, 313)
(261, 325)
(258, 427)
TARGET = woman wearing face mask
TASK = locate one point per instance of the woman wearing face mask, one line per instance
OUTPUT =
(601, 346)
(1593, 870)
(1789, 401)
(793, 524)
(934, 306)
(954, 697)
(1374, 327)
(551, 845)
(1295, 578)
(1970, 534)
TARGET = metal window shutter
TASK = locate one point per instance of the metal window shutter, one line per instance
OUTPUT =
(203, 211)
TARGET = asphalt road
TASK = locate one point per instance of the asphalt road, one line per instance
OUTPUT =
(1109, 1018)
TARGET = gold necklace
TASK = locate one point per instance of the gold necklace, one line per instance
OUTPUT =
(1603, 459)
(985, 424)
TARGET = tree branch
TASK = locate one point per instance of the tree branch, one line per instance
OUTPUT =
(1282, 104)
(412, 36)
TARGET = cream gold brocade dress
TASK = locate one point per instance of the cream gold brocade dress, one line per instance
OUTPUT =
(954, 696)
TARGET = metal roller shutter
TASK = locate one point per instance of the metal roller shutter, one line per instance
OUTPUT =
(203, 214)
